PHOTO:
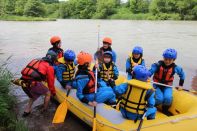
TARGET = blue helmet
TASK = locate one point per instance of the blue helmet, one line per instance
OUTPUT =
(141, 73)
(108, 53)
(137, 50)
(170, 53)
(69, 55)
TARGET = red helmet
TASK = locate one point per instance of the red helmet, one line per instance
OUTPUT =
(55, 39)
(83, 58)
(107, 40)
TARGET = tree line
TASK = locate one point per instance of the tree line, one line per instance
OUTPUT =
(102, 9)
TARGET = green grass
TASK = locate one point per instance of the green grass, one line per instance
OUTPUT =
(8, 119)
(24, 18)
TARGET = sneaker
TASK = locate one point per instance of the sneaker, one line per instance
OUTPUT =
(25, 114)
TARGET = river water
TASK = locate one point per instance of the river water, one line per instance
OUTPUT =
(26, 40)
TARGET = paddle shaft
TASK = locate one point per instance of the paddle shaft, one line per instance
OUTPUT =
(141, 121)
(162, 84)
(98, 36)
(96, 73)
(173, 87)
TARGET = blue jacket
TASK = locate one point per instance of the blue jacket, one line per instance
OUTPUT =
(178, 70)
(104, 93)
(59, 69)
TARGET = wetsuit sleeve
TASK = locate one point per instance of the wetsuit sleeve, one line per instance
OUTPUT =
(153, 69)
(116, 72)
(143, 63)
(59, 71)
(114, 56)
(181, 75)
(151, 99)
(128, 66)
(81, 83)
(51, 79)
(120, 89)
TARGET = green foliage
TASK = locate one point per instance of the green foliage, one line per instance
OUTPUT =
(52, 10)
(8, 119)
(185, 8)
(9, 6)
(1, 7)
(164, 16)
(19, 7)
(105, 8)
(34, 8)
(6, 101)
(99, 9)
(81, 9)
(50, 1)
(139, 6)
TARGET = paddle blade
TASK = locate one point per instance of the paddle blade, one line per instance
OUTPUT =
(94, 125)
(60, 113)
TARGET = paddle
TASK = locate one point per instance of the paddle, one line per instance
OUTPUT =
(61, 111)
(192, 91)
(94, 120)
(96, 73)
(141, 121)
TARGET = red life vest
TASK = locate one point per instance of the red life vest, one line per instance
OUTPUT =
(60, 54)
(90, 87)
(164, 74)
(30, 72)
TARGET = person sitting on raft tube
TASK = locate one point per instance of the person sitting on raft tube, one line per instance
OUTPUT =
(107, 42)
(135, 58)
(33, 75)
(137, 96)
(108, 71)
(56, 43)
(66, 69)
(164, 72)
(85, 81)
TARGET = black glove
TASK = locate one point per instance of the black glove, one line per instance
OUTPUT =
(111, 83)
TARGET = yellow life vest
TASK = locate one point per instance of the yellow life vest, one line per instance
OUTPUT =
(69, 73)
(103, 72)
(135, 99)
(132, 62)
(70, 70)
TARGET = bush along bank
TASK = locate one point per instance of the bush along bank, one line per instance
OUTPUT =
(8, 121)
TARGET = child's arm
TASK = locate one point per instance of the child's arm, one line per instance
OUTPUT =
(143, 62)
(181, 74)
(116, 72)
(151, 99)
(114, 56)
(128, 66)
(153, 69)
(80, 86)
(59, 71)
(121, 89)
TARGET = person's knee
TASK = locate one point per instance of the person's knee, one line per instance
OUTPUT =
(159, 99)
(167, 100)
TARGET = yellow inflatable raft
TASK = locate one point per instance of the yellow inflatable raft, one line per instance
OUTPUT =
(184, 110)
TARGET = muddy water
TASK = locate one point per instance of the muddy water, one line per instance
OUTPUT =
(26, 40)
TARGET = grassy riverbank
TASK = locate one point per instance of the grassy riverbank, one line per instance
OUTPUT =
(8, 116)
(24, 18)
